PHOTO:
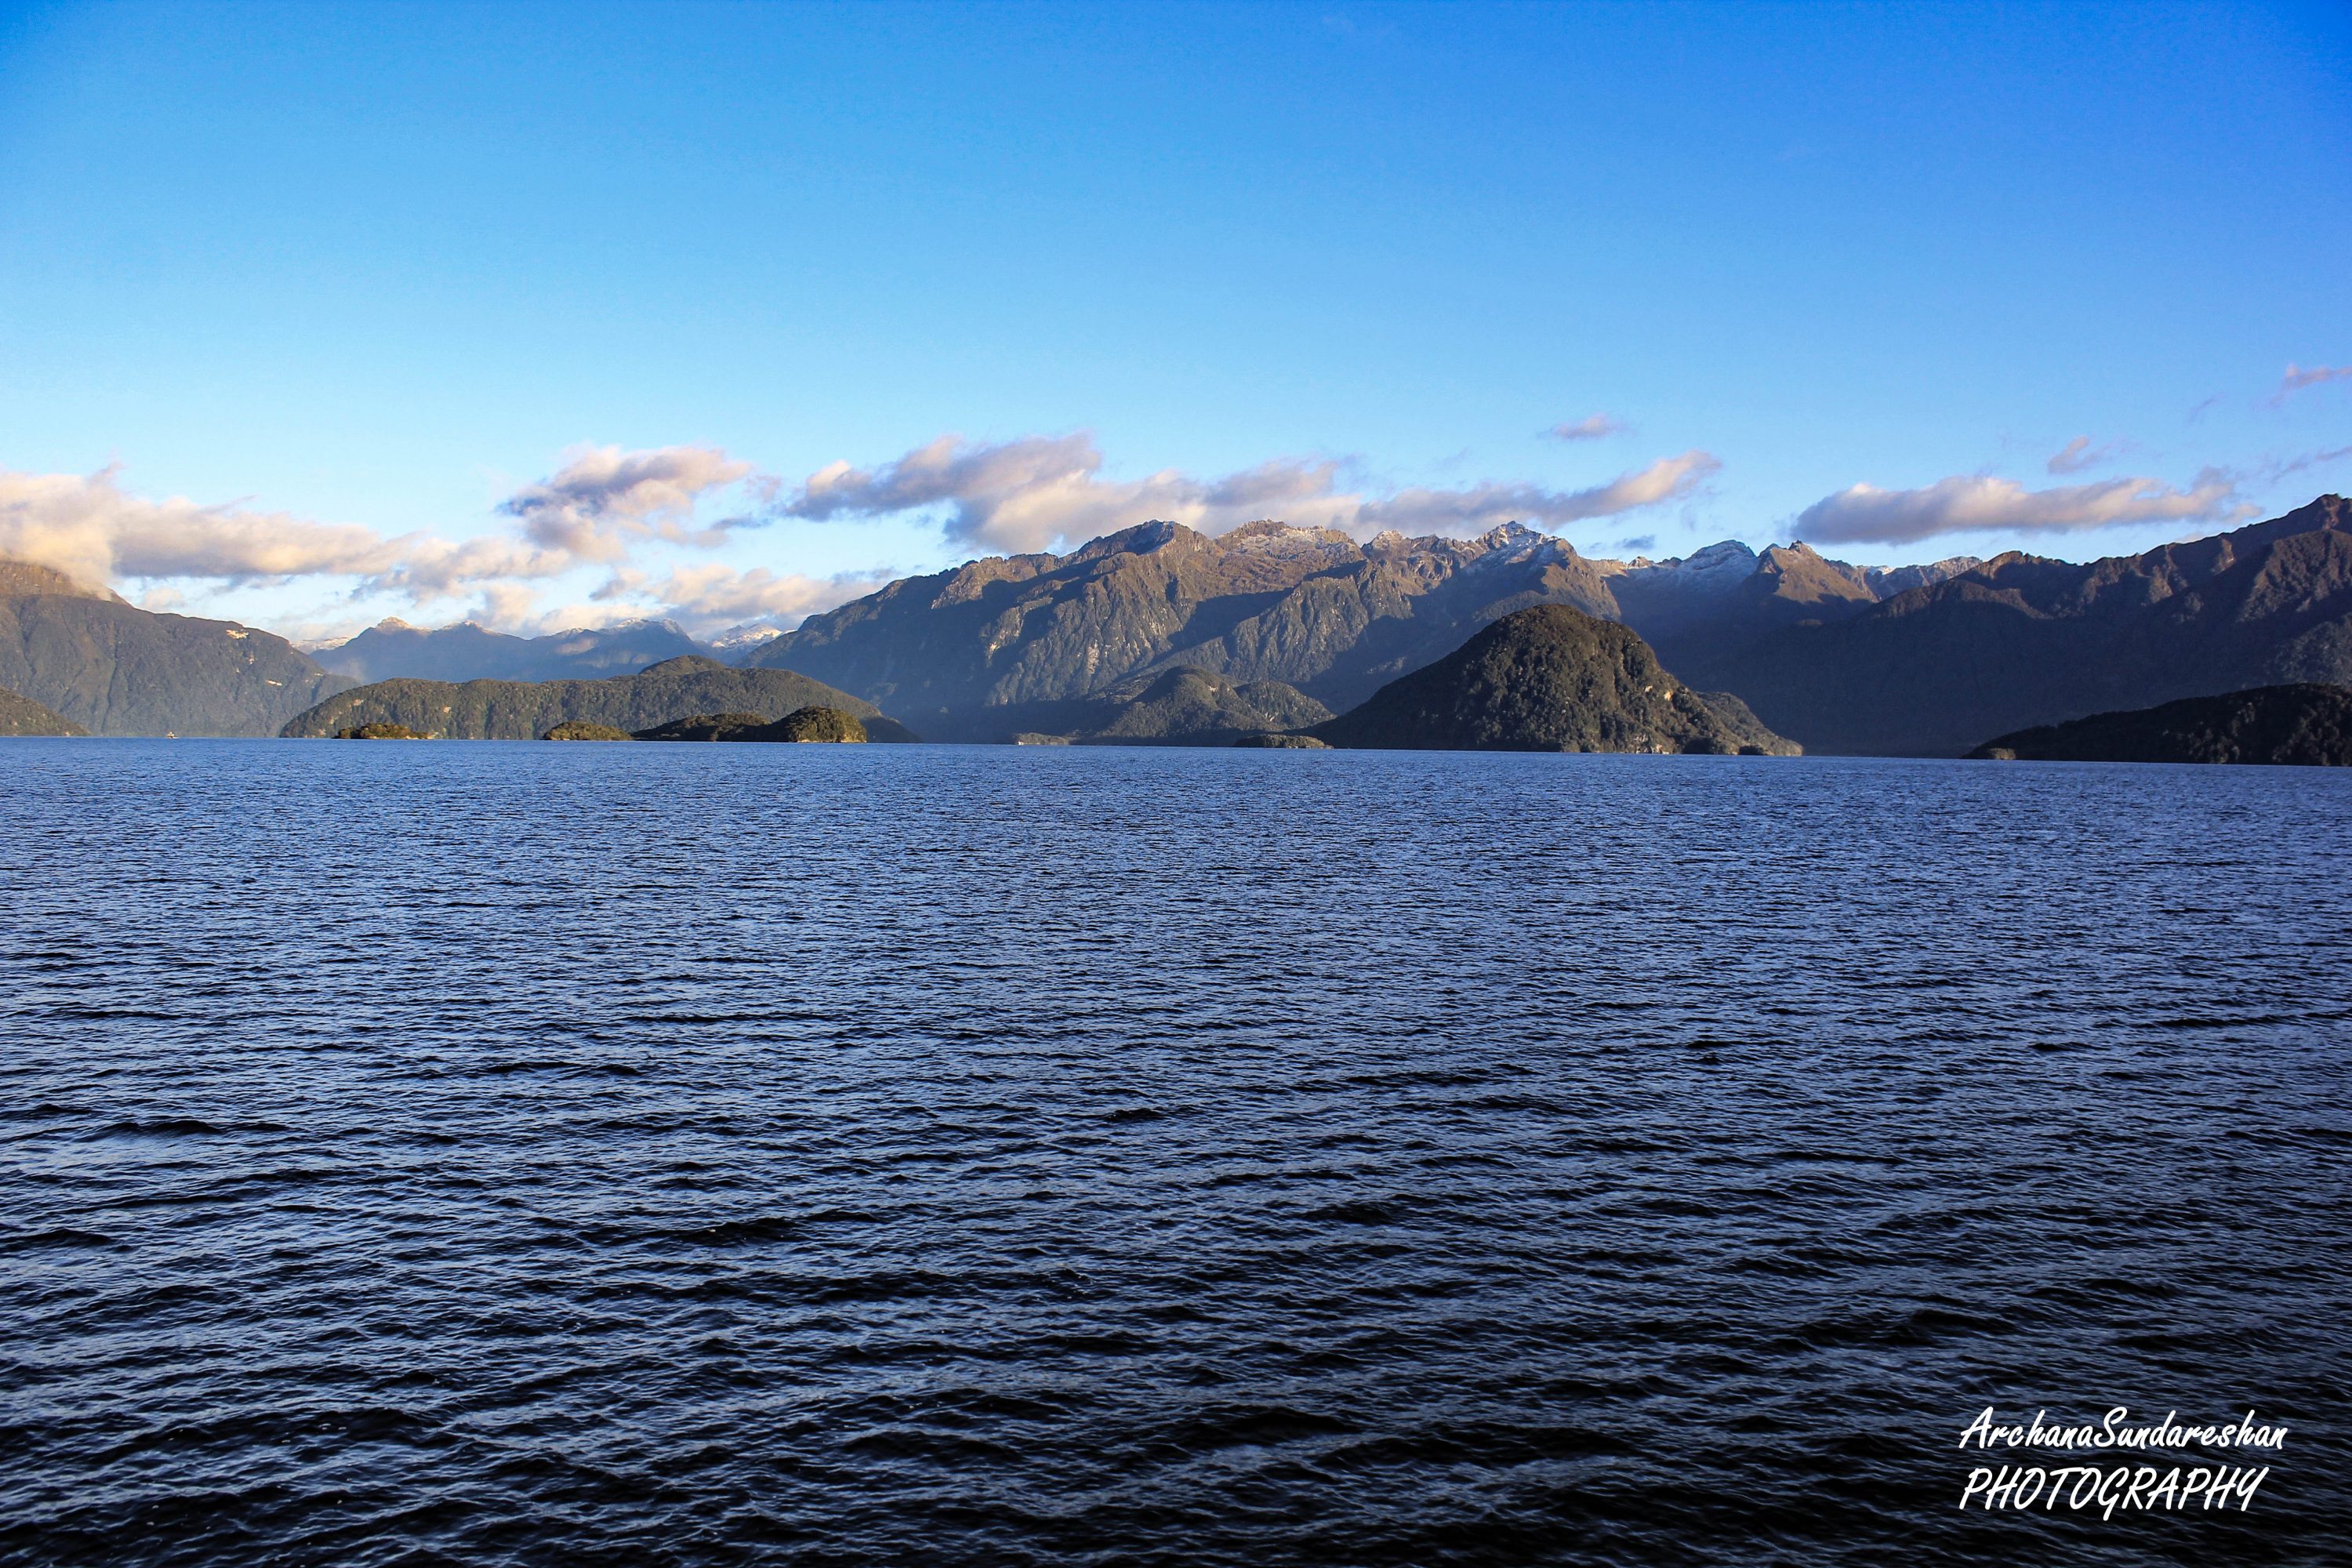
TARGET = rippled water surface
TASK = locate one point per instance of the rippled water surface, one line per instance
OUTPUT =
(511, 1153)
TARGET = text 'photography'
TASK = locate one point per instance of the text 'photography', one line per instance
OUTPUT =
(1039, 787)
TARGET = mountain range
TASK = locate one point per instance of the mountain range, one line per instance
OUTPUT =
(1160, 633)
(961, 651)
(1309, 607)
(2021, 640)
(1922, 660)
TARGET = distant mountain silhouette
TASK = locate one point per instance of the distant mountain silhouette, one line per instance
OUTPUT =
(2021, 641)
(2303, 724)
(115, 670)
(1725, 596)
(23, 716)
(393, 648)
(520, 711)
(1548, 679)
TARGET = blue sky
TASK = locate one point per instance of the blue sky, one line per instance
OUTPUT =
(601, 289)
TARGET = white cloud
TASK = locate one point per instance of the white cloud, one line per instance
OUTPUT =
(430, 567)
(2297, 377)
(2078, 455)
(1038, 491)
(1478, 508)
(1866, 514)
(1591, 428)
(595, 510)
(606, 499)
(512, 607)
(87, 527)
(2281, 467)
(1016, 496)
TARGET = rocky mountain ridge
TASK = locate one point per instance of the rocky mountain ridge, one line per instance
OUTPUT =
(2023, 640)
(1922, 660)
(1311, 608)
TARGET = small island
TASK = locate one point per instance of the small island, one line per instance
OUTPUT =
(379, 732)
(818, 724)
(583, 730)
(815, 722)
(2307, 725)
(1551, 679)
(705, 726)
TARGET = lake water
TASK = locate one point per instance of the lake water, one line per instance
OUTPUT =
(518, 1153)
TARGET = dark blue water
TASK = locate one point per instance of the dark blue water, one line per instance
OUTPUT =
(512, 1153)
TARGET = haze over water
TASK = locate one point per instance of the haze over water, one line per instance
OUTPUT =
(512, 1153)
